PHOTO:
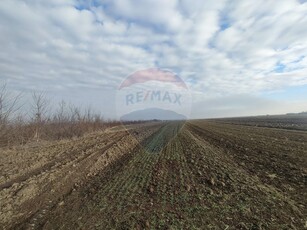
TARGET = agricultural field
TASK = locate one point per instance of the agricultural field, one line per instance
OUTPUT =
(153, 115)
(199, 174)
(290, 121)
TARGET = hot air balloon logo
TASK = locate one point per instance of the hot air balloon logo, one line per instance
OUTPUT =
(153, 94)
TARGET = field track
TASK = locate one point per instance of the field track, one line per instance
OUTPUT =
(197, 175)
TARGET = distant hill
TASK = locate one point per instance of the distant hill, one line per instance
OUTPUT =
(152, 114)
(301, 113)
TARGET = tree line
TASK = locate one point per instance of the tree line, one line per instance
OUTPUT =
(41, 122)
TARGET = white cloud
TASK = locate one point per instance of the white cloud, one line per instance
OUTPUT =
(218, 47)
(157, 12)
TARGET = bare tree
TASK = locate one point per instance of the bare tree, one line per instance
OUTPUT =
(40, 106)
(8, 104)
(62, 113)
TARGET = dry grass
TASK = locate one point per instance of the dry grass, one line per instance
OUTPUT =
(19, 126)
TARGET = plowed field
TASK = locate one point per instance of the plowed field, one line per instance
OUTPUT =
(167, 175)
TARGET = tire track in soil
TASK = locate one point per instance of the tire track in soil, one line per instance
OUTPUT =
(36, 220)
(178, 181)
(62, 160)
(69, 173)
(17, 203)
(123, 185)
(43, 203)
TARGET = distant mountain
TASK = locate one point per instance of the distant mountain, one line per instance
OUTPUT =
(152, 114)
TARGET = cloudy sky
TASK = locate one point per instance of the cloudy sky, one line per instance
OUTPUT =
(237, 57)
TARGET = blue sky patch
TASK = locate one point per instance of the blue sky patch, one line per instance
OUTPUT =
(279, 68)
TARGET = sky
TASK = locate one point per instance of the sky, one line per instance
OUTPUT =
(238, 58)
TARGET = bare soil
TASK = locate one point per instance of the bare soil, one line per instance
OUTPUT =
(168, 175)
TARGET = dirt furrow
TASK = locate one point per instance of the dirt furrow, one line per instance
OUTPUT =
(57, 162)
(74, 174)
(170, 176)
